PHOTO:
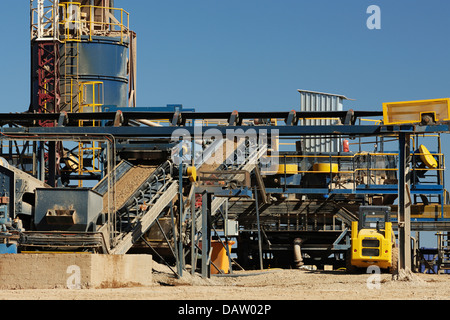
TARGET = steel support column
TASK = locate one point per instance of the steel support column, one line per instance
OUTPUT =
(404, 204)
(48, 95)
(52, 164)
(206, 235)
(193, 233)
(260, 251)
(180, 259)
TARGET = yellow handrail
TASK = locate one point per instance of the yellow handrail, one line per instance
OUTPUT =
(336, 157)
(90, 102)
(75, 26)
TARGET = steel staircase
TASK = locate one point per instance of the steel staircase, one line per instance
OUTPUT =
(251, 160)
(443, 251)
(135, 217)
(249, 164)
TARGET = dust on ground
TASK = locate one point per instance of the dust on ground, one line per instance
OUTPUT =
(273, 284)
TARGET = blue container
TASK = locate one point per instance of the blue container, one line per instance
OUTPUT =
(431, 255)
(6, 248)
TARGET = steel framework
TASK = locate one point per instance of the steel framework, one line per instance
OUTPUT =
(117, 127)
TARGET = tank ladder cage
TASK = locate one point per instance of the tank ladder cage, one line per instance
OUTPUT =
(91, 97)
(44, 20)
(70, 22)
(70, 85)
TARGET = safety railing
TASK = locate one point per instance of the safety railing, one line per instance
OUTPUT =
(272, 121)
(91, 96)
(76, 20)
(363, 168)
(333, 159)
(44, 19)
(90, 100)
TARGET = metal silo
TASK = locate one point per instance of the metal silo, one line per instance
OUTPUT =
(83, 56)
(92, 53)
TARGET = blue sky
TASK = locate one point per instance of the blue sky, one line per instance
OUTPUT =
(255, 54)
(221, 55)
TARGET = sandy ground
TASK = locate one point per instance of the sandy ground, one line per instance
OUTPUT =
(260, 285)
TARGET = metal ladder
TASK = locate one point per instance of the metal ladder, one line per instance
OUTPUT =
(443, 251)
(69, 80)
(70, 61)
(90, 99)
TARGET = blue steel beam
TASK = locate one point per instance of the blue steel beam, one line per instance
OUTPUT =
(236, 131)
(363, 189)
(169, 112)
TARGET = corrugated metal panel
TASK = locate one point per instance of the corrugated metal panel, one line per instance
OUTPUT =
(320, 101)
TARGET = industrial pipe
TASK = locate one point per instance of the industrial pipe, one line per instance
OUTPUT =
(298, 259)
(149, 123)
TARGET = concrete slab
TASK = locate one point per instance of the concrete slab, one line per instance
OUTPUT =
(74, 271)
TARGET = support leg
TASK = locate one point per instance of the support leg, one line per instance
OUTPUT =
(404, 206)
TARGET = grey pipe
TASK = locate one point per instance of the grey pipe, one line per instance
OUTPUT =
(298, 259)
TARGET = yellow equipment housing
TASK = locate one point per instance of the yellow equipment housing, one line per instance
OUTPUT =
(326, 167)
(287, 169)
(427, 157)
(192, 173)
(372, 239)
(395, 113)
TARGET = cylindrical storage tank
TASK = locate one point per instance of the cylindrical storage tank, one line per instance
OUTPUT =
(101, 59)
(76, 44)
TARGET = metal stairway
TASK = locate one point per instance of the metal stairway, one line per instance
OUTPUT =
(135, 217)
(443, 251)
(249, 164)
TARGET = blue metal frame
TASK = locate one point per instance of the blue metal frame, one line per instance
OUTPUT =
(6, 248)
(168, 108)
(166, 132)
(362, 189)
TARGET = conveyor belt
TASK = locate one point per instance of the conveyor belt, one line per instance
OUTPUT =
(248, 165)
(127, 186)
(128, 179)
(141, 195)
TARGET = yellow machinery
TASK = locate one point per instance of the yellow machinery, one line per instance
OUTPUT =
(419, 111)
(372, 240)
(326, 167)
(427, 158)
